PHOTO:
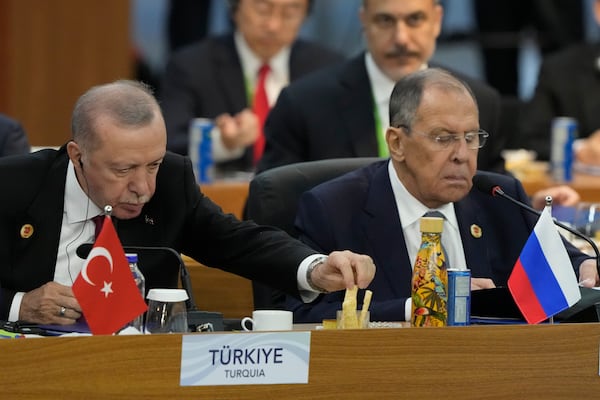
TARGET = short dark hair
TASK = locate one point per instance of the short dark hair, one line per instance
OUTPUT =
(233, 5)
(408, 92)
(436, 2)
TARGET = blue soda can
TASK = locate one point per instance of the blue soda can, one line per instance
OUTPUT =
(564, 133)
(459, 297)
(200, 149)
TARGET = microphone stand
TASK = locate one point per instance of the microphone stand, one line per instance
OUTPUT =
(198, 321)
(497, 190)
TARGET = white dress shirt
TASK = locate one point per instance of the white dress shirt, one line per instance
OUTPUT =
(410, 211)
(76, 229)
(382, 88)
(276, 80)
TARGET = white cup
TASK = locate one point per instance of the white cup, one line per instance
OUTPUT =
(166, 311)
(269, 320)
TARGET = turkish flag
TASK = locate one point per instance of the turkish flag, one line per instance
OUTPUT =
(105, 288)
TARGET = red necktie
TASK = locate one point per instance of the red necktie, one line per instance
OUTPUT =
(98, 221)
(260, 107)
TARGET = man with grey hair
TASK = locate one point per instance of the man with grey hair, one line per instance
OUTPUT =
(118, 157)
(433, 141)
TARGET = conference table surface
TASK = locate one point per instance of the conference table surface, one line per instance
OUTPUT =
(476, 362)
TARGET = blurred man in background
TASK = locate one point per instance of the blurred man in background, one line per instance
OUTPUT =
(568, 86)
(342, 111)
(234, 79)
(13, 139)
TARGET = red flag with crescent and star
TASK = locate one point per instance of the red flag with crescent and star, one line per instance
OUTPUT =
(105, 287)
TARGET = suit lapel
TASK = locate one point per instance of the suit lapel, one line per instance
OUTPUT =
(142, 230)
(383, 231)
(356, 108)
(299, 65)
(229, 74)
(474, 244)
(588, 80)
(44, 216)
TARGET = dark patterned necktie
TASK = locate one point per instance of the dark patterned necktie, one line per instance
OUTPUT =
(98, 222)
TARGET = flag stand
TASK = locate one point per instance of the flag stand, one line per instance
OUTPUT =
(549, 206)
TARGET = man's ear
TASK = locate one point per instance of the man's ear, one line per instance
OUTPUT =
(74, 153)
(394, 138)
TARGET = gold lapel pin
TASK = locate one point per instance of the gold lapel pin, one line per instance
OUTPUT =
(26, 231)
(476, 231)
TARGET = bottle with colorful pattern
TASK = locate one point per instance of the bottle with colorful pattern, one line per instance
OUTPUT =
(430, 277)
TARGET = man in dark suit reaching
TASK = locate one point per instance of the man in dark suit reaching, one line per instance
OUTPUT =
(118, 157)
(342, 111)
(433, 141)
(219, 78)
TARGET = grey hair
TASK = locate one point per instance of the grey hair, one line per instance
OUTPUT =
(129, 103)
(408, 92)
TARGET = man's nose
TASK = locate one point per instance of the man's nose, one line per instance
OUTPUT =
(274, 21)
(461, 148)
(141, 183)
(402, 33)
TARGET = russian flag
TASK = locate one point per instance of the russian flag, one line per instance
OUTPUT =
(542, 281)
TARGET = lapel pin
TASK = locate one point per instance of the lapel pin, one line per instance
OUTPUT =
(26, 231)
(476, 231)
(148, 220)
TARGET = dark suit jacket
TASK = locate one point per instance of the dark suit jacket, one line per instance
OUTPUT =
(330, 115)
(206, 79)
(12, 137)
(357, 211)
(568, 86)
(177, 216)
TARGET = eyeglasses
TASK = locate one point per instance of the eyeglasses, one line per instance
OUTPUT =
(443, 141)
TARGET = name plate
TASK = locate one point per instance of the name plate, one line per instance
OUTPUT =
(245, 358)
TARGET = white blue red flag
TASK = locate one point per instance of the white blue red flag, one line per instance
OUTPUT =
(543, 282)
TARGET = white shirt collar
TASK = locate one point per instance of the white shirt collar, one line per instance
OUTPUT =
(251, 63)
(410, 209)
(381, 85)
(75, 197)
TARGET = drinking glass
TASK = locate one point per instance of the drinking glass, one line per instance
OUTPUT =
(587, 219)
(166, 311)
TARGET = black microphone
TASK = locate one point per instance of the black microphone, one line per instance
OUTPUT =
(486, 185)
(84, 249)
(197, 320)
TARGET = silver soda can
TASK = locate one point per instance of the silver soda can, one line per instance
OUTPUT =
(459, 297)
(200, 149)
(564, 133)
